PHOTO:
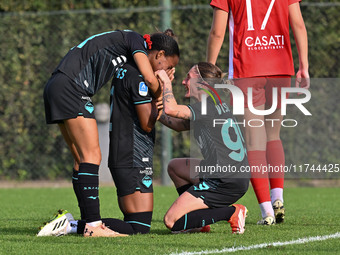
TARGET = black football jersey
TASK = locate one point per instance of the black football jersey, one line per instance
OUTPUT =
(130, 145)
(218, 137)
(92, 63)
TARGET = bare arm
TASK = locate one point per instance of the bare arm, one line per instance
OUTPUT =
(300, 34)
(170, 105)
(175, 123)
(149, 77)
(171, 122)
(216, 35)
(147, 115)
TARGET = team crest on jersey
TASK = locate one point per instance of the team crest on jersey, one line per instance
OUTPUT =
(89, 107)
(147, 181)
(143, 89)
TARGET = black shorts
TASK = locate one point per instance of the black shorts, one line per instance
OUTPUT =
(130, 180)
(65, 100)
(218, 193)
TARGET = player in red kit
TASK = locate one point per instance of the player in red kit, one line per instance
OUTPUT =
(260, 57)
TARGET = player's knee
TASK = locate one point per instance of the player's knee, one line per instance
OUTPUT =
(273, 136)
(171, 171)
(168, 221)
(93, 156)
(172, 168)
(256, 145)
(97, 154)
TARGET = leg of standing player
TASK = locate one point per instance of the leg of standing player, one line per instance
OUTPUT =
(276, 158)
(275, 153)
(82, 137)
(76, 157)
(256, 141)
(256, 148)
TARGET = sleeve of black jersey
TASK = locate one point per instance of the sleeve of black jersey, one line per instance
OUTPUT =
(196, 111)
(136, 43)
(139, 91)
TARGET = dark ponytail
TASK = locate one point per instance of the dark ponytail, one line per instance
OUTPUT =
(165, 41)
(212, 74)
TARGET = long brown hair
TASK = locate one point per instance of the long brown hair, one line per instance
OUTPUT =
(212, 74)
(208, 70)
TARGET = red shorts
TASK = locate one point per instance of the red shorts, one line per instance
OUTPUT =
(262, 89)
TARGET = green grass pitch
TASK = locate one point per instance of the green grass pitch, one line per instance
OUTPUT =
(309, 212)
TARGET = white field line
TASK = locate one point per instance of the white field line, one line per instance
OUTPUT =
(263, 245)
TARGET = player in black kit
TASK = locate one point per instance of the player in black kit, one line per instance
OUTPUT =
(67, 95)
(207, 199)
(132, 137)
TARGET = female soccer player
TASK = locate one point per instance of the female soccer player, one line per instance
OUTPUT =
(205, 200)
(132, 135)
(260, 53)
(132, 138)
(67, 95)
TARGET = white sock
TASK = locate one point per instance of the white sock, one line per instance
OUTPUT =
(72, 227)
(95, 223)
(266, 209)
(275, 194)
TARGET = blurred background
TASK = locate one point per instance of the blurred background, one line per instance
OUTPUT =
(36, 34)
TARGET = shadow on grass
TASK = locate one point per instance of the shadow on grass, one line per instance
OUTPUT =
(160, 231)
(15, 231)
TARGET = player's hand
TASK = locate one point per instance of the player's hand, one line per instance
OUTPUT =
(158, 103)
(171, 73)
(163, 77)
(302, 79)
(161, 87)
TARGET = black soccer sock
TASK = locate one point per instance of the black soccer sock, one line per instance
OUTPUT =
(88, 181)
(81, 226)
(140, 222)
(119, 226)
(134, 223)
(182, 189)
(75, 184)
(203, 217)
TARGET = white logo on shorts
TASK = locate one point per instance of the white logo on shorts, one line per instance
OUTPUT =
(86, 98)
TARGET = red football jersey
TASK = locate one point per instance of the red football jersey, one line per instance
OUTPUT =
(259, 43)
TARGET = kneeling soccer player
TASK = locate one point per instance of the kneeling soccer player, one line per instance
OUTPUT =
(204, 201)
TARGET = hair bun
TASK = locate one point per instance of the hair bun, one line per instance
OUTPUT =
(165, 41)
(169, 32)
